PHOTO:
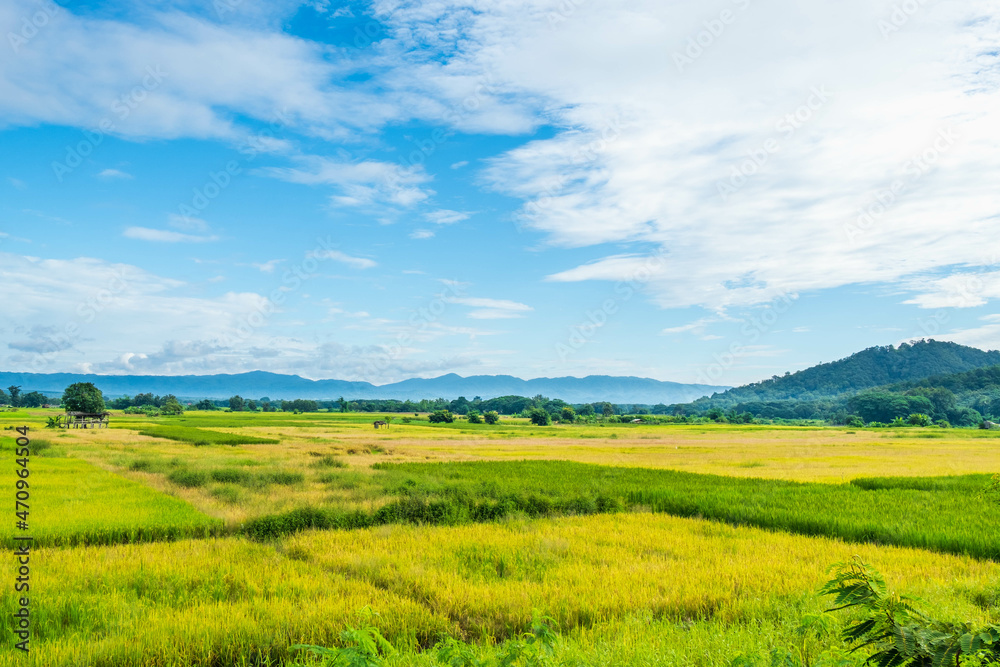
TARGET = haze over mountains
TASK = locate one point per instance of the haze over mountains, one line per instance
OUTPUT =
(258, 384)
(917, 363)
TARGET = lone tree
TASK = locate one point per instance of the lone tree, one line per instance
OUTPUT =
(83, 397)
(15, 396)
(539, 417)
(172, 406)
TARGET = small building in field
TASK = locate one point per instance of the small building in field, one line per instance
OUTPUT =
(86, 420)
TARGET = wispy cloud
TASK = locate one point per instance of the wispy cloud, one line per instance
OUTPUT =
(187, 223)
(421, 234)
(164, 236)
(267, 267)
(363, 183)
(492, 309)
(447, 217)
(344, 258)
(113, 174)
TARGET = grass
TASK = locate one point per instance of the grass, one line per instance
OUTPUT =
(73, 502)
(217, 602)
(458, 533)
(201, 436)
(939, 514)
(665, 589)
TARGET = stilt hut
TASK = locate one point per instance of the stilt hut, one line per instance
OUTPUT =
(86, 420)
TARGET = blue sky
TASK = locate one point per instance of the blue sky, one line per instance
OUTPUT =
(379, 190)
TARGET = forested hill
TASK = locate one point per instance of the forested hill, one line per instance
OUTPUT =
(874, 367)
(977, 380)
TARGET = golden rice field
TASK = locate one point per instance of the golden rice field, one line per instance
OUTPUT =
(625, 588)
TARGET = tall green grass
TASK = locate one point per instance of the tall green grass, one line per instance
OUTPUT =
(200, 436)
(939, 514)
(75, 503)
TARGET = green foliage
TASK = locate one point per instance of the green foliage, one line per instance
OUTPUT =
(918, 419)
(200, 436)
(535, 648)
(188, 478)
(441, 417)
(364, 646)
(539, 417)
(895, 632)
(236, 403)
(329, 461)
(567, 414)
(171, 406)
(491, 416)
(83, 397)
(474, 417)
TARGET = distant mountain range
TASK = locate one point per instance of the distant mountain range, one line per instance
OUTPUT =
(258, 384)
(870, 368)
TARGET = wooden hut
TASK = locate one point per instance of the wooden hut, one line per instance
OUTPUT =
(86, 420)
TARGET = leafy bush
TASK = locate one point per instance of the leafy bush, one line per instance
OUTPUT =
(491, 417)
(898, 633)
(539, 417)
(919, 419)
(440, 417)
(474, 418)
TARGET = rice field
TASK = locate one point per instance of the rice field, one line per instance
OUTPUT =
(214, 601)
(656, 545)
(202, 436)
(73, 502)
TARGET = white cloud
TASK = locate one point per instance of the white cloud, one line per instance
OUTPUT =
(164, 236)
(963, 289)
(492, 309)
(167, 74)
(17, 183)
(421, 234)
(459, 164)
(187, 223)
(111, 174)
(344, 258)
(641, 157)
(447, 217)
(359, 183)
(696, 327)
(269, 266)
